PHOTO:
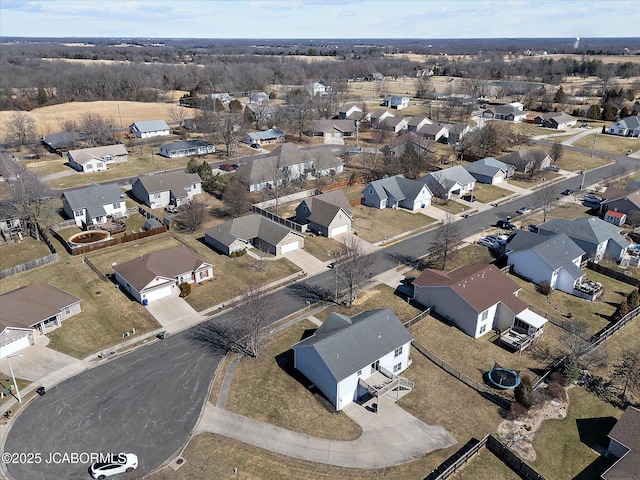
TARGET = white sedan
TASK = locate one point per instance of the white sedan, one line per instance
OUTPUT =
(119, 463)
(486, 242)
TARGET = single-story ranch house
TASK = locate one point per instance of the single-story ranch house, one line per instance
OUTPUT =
(159, 274)
(149, 128)
(187, 148)
(30, 308)
(253, 230)
(273, 135)
(96, 159)
(348, 355)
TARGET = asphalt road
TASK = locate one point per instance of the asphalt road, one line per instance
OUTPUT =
(148, 401)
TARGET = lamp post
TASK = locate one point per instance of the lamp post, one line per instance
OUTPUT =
(14, 377)
(582, 183)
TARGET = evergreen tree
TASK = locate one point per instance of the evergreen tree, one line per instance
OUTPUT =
(524, 392)
(569, 368)
(594, 112)
(42, 96)
(608, 112)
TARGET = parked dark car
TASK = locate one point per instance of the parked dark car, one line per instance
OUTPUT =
(506, 224)
(532, 228)
(568, 191)
(226, 168)
(469, 198)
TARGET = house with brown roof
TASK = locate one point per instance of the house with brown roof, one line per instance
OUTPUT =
(328, 214)
(157, 190)
(97, 159)
(332, 130)
(32, 308)
(624, 446)
(158, 274)
(621, 201)
(477, 299)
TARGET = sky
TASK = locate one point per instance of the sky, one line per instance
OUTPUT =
(321, 19)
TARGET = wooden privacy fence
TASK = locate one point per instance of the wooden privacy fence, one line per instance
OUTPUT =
(92, 247)
(609, 272)
(417, 318)
(599, 338)
(29, 265)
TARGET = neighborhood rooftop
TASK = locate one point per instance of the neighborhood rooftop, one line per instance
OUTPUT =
(31, 304)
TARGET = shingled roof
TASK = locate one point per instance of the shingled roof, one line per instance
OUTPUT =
(31, 304)
(325, 207)
(348, 344)
(627, 433)
(175, 181)
(83, 155)
(247, 228)
(481, 286)
(93, 198)
(590, 230)
(557, 251)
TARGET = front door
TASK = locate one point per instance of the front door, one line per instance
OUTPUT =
(375, 366)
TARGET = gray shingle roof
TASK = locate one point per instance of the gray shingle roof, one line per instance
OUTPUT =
(248, 228)
(397, 186)
(347, 345)
(150, 125)
(93, 198)
(488, 166)
(447, 178)
(175, 181)
(556, 251)
(345, 126)
(325, 207)
(590, 230)
(63, 139)
(183, 145)
(631, 122)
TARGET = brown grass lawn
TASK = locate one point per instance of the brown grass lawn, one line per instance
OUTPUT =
(489, 193)
(609, 143)
(6, 381)
(450, 206)
(269, 389)
(525, 182)
(28, 249)
(321, 247)
(375, 225)
(568, 210)
(106, 311)
(532, 130)
(576, 161)
(564, 447)
(485, 466)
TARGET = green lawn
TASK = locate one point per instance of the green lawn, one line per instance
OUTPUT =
(609, 143)
(6, 381)
(564, 447)
(375, 225)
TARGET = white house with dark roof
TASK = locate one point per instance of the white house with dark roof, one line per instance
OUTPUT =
(347, 355)
(416, 123)
(525, 160)
(253, 231)
(187, 148)
(149, 128)
(557, 120)
(158, 274)
(328, 214)
(96, 159)
(176, 187)
(434, 131)
(273, 135)
(94, 204)
(397, 145)
(457, 132)
(626, 127)
(510, 112)
(624, 447)
(395, 101)
(397, 191)
(32, 308)
(453, 181)
(350, 112)
(478, 299)
(490, 171)
(596, 237)
(379, 116)
(553, 259)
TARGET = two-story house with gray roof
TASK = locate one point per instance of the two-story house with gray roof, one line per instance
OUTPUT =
(596, 237)
(553, 259)
(626, 127)
(157, 190)
(347, 354)
(397, 191)
(454, 181)
(253, 231)
(490, 171)
(328, 214)
(149, 128)
(94, 204)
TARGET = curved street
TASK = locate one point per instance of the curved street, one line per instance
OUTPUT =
(149, 401)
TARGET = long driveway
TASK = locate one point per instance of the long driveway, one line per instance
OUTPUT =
(149, 401)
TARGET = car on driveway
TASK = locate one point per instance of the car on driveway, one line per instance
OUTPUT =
(118, 463)
(506, 224)
(486, 242)
(225, 167)
(568, 191)
(497, 238)
(469, 198)
(523, 210)
(591, 199)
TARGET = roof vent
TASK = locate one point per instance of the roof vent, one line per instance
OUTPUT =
(379, 336)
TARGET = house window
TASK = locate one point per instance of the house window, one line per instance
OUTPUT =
(397, 352)
(204, 274)
(67, 311)
(359, 372)
(482, 329)
(156, 196)
(116, 205)
(396, 368)
(485, 314)
(78, 213)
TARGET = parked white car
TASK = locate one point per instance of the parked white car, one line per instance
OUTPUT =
(120, 463)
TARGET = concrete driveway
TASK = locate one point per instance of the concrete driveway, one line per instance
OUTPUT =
(37, 361)
(388, 438)
(174, 314)
(307, 262)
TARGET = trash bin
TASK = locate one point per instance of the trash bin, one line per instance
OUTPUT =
(41, 391)
(161, 335)
(145, 302)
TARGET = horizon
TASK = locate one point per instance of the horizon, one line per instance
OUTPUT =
(319, 20)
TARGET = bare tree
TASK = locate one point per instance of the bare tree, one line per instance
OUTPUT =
(423, 86)
(21, 130)
(298, 112)
(228, 128)
(535, 159)
(254, 312)
(556, 152)
(237, 199)
(178, 114)
(627, 372)
(96, 127)
(546, 198)
(353, 268)
(445, 244)
(192, 215)
(30, 197)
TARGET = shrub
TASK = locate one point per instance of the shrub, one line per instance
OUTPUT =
(523, 393)
(544, 288)
(557, 377)
(557, 391)
(185, 289)
(517, 411)
(569, 368)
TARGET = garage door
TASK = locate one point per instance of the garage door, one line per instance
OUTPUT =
(15, 346)
(157, 293)
(339, 230)
(289, 247)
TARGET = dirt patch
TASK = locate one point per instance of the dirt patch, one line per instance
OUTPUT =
(518, 434)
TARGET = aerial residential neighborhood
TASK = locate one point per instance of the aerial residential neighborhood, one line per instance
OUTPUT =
(304, 258)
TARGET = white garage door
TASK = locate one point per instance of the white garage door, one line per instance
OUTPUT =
(289, 247)
(15, 346)
(339, 230)
(157, 293)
